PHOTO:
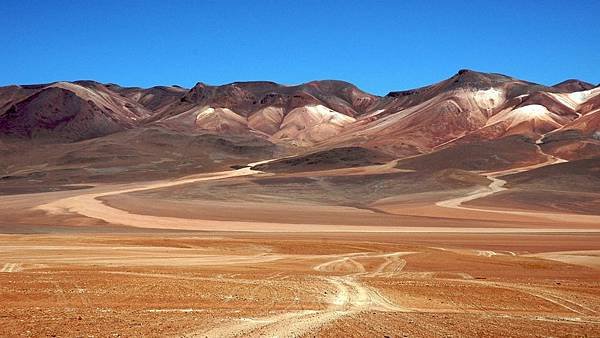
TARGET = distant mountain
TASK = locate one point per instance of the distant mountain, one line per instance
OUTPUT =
(67, 111)
(468, 107)
(573, 85)
(300, 115)
(154, 99)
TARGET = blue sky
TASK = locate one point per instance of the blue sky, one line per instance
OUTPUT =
(378, 45)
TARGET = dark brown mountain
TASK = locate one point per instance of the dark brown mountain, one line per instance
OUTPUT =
(154, 98)
(248, 97)
(65, 111)
(573, 85)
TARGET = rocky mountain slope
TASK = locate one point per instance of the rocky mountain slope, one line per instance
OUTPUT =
(468, 108)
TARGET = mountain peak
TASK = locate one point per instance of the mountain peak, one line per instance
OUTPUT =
(573, 85)
(472, 77)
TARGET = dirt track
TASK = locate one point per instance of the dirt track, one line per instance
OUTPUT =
(350, 297)
(88, 204)
(497, 185)
(275, 285)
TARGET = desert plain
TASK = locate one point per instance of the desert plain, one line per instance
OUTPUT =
(246, 253)
(467, 208)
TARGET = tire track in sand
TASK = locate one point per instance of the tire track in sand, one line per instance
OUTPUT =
(554, 297)
(350, 297)
(11, 267)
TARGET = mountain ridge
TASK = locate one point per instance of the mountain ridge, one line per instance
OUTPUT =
(317, 114)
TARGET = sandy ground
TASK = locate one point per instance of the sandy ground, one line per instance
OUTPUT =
(100, 261)
(241, 285)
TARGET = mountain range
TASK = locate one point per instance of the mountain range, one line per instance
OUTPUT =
(479, 114)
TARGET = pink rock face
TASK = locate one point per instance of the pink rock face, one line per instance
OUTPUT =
(221, 120)
(267, 120)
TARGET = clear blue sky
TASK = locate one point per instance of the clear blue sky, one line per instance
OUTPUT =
(378, 45)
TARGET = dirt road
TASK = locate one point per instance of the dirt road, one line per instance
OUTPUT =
(497, 185)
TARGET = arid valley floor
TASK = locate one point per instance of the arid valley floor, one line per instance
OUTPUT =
(131, 260)
(467, 208)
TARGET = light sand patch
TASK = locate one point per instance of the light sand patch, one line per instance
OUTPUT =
(11, 267)
(174, 310)
(589, 258)
(486, 253)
